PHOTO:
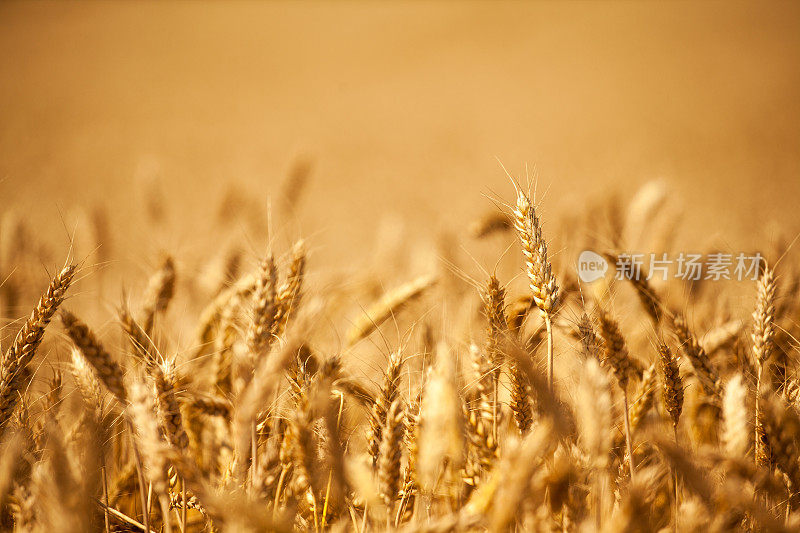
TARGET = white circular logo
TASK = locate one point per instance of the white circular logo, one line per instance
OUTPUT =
(591, 266)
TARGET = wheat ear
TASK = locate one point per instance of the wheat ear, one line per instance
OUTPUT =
(644, 291)
(14, 370)
(389, 393)
(158, 295)
(389, 304)
(616, 355)
(594, 417)
(588, 337)
(210, 316)
(520, 403)
(390, 455)
(288, 296)
(169, 412)
(782, 426)
(704, 368)
(259, 336)
(537, 266)
(140, 409)
(673, 399)
(168, 407)
(734, 418)
(491, 223)
(441, 433)
(142, 344)
(497, 328)
(86, 382)
(673, 384)
(763, 337)
(109, 372)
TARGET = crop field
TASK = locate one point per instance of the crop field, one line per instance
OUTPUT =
(417, 267)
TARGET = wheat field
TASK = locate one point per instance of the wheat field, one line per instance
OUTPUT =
(370, 323)
(446, 402)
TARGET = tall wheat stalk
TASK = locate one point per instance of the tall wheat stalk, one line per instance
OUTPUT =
(616, 355)
(538, 268)
(14, 371)
(673, 401)
(762, 337)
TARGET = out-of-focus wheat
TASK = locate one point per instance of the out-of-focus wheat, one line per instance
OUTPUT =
(14, 365)
(270, 419)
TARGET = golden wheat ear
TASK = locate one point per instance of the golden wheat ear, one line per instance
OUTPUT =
(617, 357)
(389, 393)
(736, 429)
(672, 383)
(763, 334)
(615, 348)
(391, 450)
(494, 304)
(141, 343)
(154, 451)
(441, 433)
(92, 352)
(647, 295)
(386, 307)
(158, 295)
(534, 248)
(705, 370)
(14, 371)
(259, 336)
(542, 283)
(289, 293)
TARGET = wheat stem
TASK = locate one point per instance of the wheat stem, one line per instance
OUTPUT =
(140, 474)
(253, 454)
(758, 452)
(628, 436)
(548, 324)
(184, 509)
(281, 479)
(675, 475)
(105, 495)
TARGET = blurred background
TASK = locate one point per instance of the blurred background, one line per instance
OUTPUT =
(400, 111)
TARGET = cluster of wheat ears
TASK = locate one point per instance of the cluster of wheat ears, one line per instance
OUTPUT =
(549, 407)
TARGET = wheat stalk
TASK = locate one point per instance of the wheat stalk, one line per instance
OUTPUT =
(259, 336)
(673, 399)
(289, 293)
(389, 393)
(537, 266)
(497, 328)
(90, 349)
(140, 341)
(441, 445)
(141, 408)
(390, 455)
(763, 338)
(616, 356)
(275, 424)
(734, 417)
(639, 280)
(389, 304)
(159, 293)
(672, 384)
(594, 417)
(14, 371)
(691, 348)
